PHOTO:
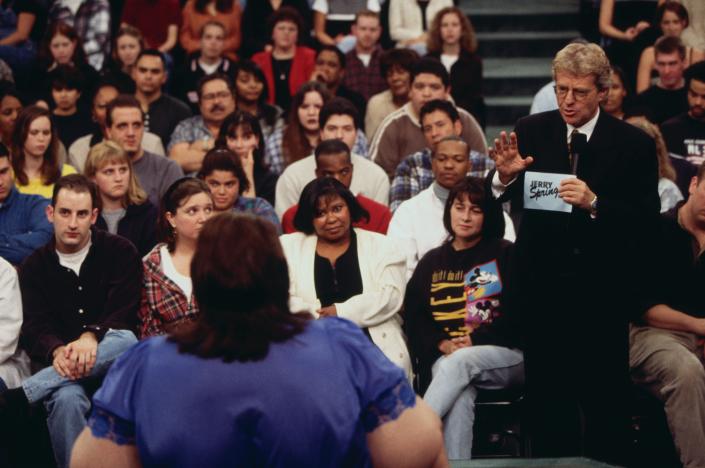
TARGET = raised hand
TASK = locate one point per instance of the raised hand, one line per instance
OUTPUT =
(507, 160)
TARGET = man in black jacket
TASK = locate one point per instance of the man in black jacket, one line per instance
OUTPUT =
(578, 263)
(80, 294)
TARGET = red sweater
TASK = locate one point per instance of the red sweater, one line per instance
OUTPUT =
(379, 217)
(301, 69)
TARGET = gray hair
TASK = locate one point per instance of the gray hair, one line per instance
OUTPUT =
(582, 60)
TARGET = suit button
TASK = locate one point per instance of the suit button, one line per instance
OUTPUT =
(80, 288)
(80, 311)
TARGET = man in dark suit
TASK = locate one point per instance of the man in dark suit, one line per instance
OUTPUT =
(576, 269)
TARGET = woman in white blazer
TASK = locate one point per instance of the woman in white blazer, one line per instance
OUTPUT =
(406, 24)
(337, 270)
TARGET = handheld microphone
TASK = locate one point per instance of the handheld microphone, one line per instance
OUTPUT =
(578, 143)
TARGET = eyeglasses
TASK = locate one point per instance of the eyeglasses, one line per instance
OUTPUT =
(218, 95)
(579, 94)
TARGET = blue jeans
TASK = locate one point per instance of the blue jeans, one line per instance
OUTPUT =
(66, 401)
(456, 379)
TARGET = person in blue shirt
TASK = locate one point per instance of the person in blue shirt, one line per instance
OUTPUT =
(24, 226)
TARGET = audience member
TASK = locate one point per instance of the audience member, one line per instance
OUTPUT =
(416, 224)
(91, 19)
(245, 332)
(439, 119)
(35, 153)
(23, 224)
(333, 159)
(223, 173)
(400, 133)
(666, 342)
(474, 347)
(544, 99)
(194, 136)
(685, 133)
(339, 271)
(241, 134)
(71, 122)
(124, 124)
(207, 60)
(158, 20)
(286, 66)
(10, 107)
(337, 121)
(668, 97)
(23, 28)
(254, 36)
(167, 293)
(80, 294)
(125, 209)
(672, 18)
(451, 39)
(127, 46)
(618, 95)
(251, 96)
(694, 34)
(409, 20)
(14, 363)
(395, 66)
(362, 64)
(162, 112)
(330, 70)
(302, 132)
(612, 196)
(333, 19)
(105, 92)
(668, 191)
(196, 13)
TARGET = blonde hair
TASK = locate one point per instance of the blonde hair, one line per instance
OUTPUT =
(468, 39)
(665, 168)
(109, 152)
(583, 59)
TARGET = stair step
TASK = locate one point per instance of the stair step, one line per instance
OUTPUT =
(526, 7)
(517, 67)
(505, 110)
(516, 86)
(523, 43)
(493, 131)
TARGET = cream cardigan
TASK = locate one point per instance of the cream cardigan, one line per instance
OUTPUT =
(405, 17)
(382, 267)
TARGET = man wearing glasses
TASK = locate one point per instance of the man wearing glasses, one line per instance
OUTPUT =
(579, 249)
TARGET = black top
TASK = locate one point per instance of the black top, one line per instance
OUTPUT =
(661, 104)
(139, 226)
(164, 115)
(685, 140)
(281, 69)
(340, 282)
(35, 8)
(58, 304)
(357, 100)
(72, 127)
(186, 80)
(265, 183)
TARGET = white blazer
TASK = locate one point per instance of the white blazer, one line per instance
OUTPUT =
(382, 268)
(14, 363)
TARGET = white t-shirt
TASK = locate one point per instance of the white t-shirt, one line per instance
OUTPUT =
(448, 60)
(321, 6)
(183, 282)
(365, 58)
(209, 69)
(73, 261)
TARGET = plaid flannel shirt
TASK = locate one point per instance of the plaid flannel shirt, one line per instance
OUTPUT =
(92, 24)
(163, 302)
(190, 130)
(274, 157)
(414, 174)
(366, 80)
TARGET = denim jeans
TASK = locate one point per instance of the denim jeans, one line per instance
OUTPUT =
(456, 379)
(66, 401)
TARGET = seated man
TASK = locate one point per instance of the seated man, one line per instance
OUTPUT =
(439, 119)
(400, 133)
(337, 121)
(71, 121)
(80, 294)
(666, 349)
(362, 73)
(333, 160)
(23, 224)
(195, 136)
(418, 222)
(104, 93)
(124, 124)
(330, 70)
(14, 363)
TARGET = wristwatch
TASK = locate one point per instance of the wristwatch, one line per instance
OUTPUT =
(593, 206)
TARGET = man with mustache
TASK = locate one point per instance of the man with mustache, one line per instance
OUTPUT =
(195, 136)
(685, 133)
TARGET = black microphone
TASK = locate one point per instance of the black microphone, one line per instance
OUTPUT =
(578, 144)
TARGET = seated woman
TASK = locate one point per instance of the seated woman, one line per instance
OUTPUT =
(289, 391)
(338, 270)
(197, 13)
(452, 40)
(410, 19)
(125, 208)
(456, 318)
(251, 96)
(240, 132)
(287, 65)
(22, 24)
(167, 294)
(223, 173)
(672, 18)
(35, 153)
(127, 45)
(619, 96)
(10, 107)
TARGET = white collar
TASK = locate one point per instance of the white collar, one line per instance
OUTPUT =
(587, 128)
